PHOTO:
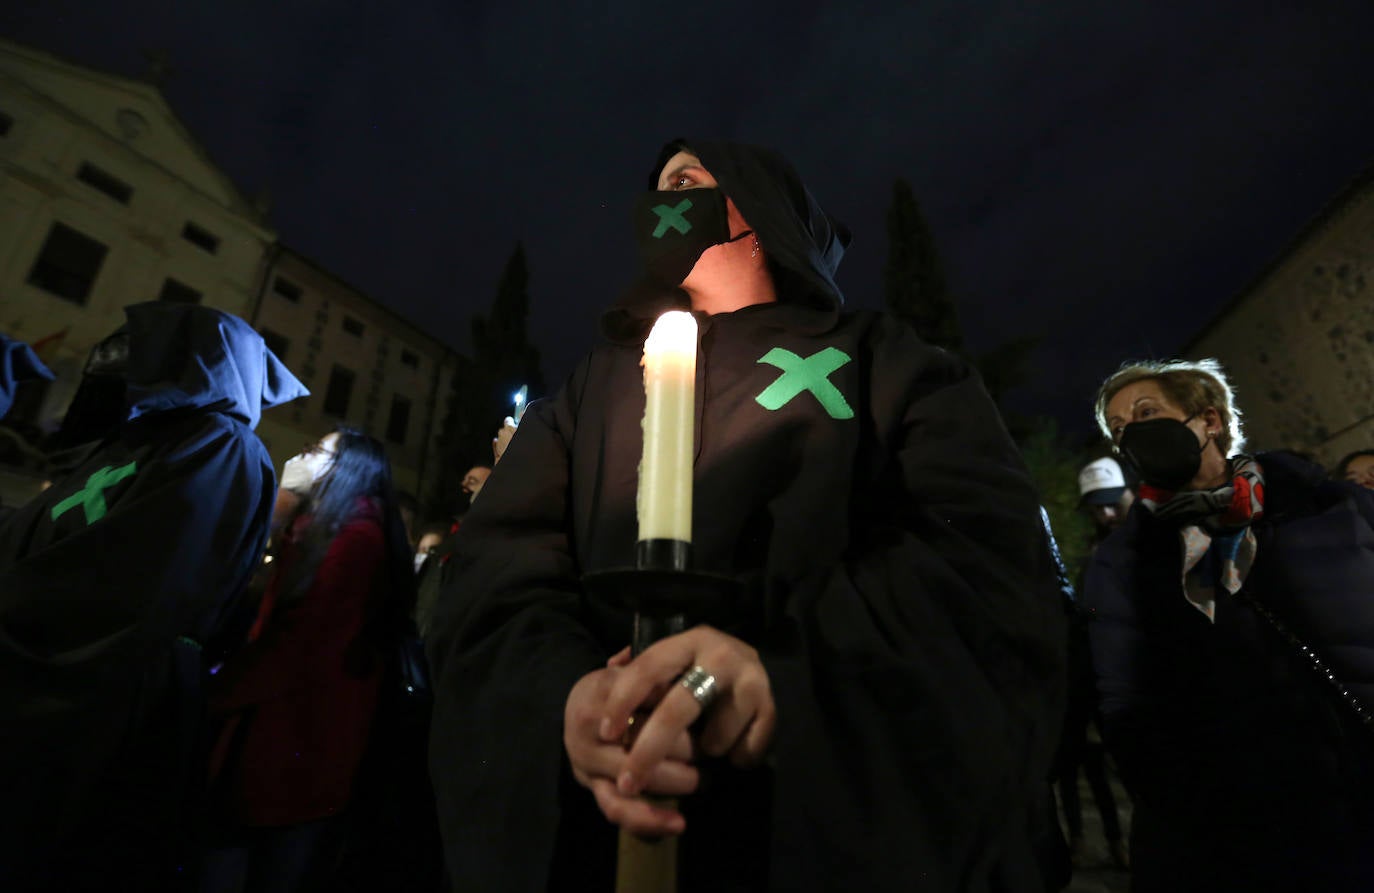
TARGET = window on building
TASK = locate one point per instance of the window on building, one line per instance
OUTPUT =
(68, 264)
(340, 390)
(410, 358)
(277, 343)
(287, 289)
(200, 238)
(178, 292)
(352, 326)
(6, 122)
(106, 182)
(398, 422)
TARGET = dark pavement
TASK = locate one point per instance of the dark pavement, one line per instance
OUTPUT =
(1096, 872)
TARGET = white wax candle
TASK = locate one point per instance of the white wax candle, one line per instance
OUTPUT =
(665, 469)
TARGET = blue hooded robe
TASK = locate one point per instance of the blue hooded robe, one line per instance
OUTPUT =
(110, 580)
(18, 363)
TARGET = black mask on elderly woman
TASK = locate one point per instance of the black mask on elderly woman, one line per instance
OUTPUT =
(1165, 452)
(673, 229)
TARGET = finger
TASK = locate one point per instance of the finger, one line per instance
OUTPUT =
(601, 760)
(758, 738)
(749, 697)
(621, 658)
(606, 730)
(639, 680)
(664, 727)
(657, 666)
(726, 723)
(684, 749)
(636, 814)
(671, 776)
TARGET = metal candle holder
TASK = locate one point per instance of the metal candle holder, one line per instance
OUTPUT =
(663, 592)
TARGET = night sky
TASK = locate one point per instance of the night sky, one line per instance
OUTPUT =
(1108, 175)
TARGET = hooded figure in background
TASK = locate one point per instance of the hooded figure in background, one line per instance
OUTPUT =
(18, 363)
(888, 679)
(97, 409)
(110, 581)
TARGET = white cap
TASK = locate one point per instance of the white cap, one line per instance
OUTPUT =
(1103, 474)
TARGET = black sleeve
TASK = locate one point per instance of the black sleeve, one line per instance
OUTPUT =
(506, 645)
(919, 683)
(1164, 730)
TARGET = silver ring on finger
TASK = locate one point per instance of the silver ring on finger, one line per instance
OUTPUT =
(702, 685)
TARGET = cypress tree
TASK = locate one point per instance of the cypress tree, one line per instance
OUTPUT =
(914, 278)
(503, 359)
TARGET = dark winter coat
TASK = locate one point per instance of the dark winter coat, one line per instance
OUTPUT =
(1246, 770)
(894, 578)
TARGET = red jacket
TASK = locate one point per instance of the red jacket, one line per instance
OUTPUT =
(301, 697)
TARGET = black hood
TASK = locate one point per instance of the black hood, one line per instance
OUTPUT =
(18, 363)
(803, 243)
(184, 356)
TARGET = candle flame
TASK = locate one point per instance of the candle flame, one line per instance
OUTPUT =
(674, 332)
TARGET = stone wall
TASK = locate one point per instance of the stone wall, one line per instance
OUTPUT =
(1299, 344)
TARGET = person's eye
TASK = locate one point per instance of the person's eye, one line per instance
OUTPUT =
(1116, 433)
(1147, 411)
(682, 182)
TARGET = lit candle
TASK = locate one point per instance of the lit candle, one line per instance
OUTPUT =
(665, 469)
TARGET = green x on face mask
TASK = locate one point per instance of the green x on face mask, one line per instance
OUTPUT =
(672, 229)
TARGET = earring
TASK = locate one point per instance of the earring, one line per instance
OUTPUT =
(755, 252)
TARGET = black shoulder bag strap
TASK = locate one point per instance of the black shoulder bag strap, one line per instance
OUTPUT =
(1309, 655)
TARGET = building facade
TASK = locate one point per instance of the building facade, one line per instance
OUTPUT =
(1299, 342)
(107, 200)
(364, 366)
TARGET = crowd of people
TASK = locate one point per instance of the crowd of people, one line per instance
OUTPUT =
(212, 676)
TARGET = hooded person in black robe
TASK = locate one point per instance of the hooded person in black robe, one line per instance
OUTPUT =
(898, 615)
(110, 581)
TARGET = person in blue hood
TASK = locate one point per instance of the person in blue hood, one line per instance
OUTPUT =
(18, 363)
(888, 680)
(110, 581)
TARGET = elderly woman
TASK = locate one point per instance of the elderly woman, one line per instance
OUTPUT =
(890, 670)
(1234, 648)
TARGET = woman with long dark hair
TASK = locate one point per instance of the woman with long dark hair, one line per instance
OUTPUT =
(298, 702)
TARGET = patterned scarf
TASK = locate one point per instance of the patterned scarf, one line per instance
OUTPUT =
(1214, 527)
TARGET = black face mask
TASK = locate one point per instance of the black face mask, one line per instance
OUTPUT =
(673, 229)
(1165, 452)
